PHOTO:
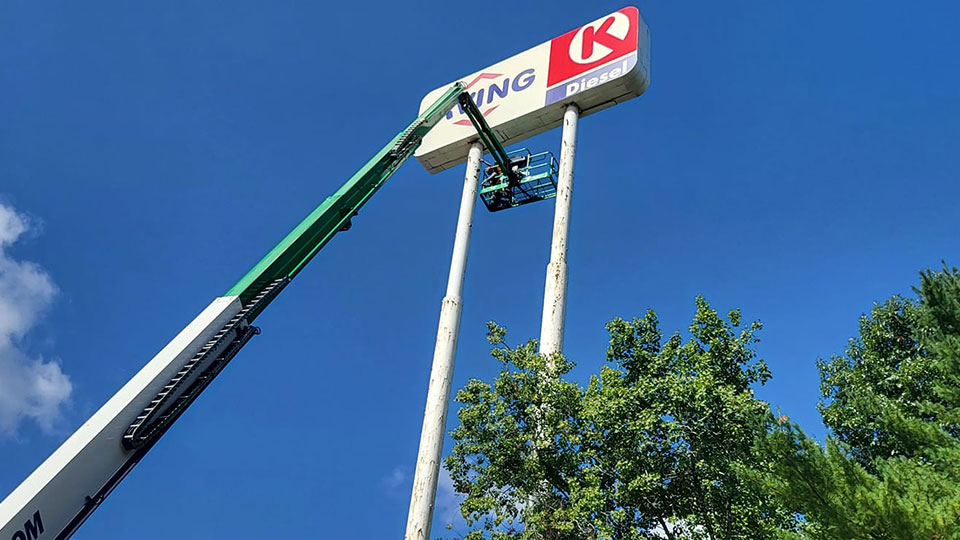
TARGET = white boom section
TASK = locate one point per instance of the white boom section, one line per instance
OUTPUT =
(48, 501)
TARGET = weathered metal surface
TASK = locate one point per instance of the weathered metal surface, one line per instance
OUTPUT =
(555, 289)
(444, 354)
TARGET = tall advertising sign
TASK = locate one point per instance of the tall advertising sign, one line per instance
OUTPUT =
(597, 65)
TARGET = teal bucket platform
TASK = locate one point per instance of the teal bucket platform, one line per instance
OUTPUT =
(531, 178)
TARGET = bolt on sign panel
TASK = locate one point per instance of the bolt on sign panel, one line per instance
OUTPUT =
(597, 65)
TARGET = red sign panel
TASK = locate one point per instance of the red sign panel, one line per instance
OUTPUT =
(592, 45)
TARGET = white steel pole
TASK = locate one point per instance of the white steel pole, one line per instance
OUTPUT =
(555, 290)
(438, 394)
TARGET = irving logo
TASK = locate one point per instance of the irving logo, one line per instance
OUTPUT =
(499, 89)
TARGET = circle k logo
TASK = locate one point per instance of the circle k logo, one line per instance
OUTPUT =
(599, 39)
(593, 45)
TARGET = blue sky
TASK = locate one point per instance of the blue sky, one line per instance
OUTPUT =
(794, 160)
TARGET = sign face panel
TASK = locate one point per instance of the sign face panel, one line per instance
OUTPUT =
(598, 65)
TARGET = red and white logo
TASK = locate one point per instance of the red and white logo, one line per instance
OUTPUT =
(604, 40)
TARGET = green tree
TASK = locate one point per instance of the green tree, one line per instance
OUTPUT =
(891, 468)
(517, 447)
(896, 499)
(940, 292)
(658, 445)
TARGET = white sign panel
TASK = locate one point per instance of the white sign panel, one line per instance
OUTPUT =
(600, 64)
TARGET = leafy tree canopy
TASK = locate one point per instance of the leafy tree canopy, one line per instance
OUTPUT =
(668, 440)
(891, 470)
(653, 447)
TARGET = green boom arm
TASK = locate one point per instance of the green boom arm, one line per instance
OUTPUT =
(70, 485)
(287, 258)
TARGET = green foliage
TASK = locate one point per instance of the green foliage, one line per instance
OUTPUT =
(904, 499)
(668, 440)
(940, 292)
(884, 375)
(517, 445)
(891, 470)
(660, 444)
(691, 423)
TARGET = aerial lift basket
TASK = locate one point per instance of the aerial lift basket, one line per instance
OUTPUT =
(531, 178)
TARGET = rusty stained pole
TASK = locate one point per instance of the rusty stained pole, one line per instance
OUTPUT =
(555, 289)
(424, 493)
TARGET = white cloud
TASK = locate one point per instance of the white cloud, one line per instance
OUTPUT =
(30, 387)
(395, 479)
(398, 482)
(448, 501)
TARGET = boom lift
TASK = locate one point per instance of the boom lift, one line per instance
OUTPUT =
(66, 488)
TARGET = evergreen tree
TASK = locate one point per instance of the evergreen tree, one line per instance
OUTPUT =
(891, 469)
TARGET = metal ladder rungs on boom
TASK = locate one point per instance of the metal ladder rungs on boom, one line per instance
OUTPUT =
(219, 350)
